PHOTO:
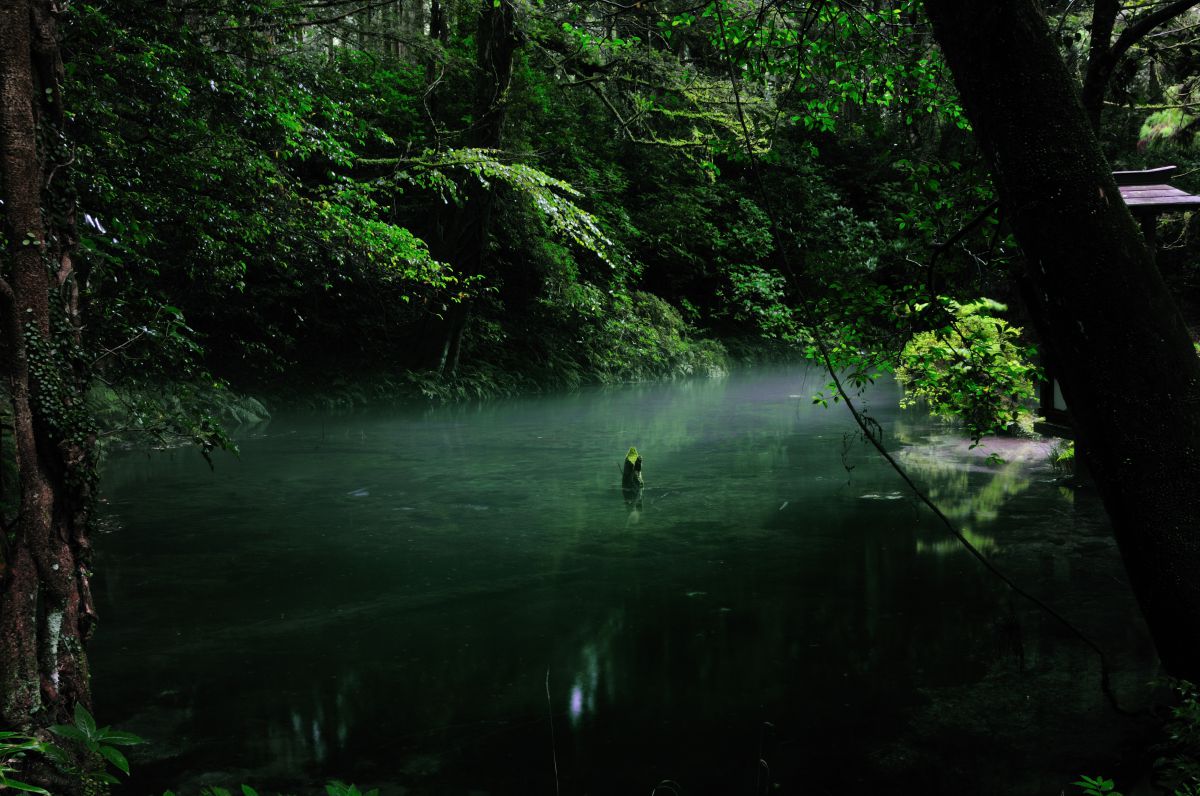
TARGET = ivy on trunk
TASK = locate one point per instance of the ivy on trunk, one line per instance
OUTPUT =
(46, 611)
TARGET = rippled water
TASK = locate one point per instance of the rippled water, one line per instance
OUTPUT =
(461, 601)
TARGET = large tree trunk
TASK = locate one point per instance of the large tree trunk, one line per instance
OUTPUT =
(1117, 340)
(46, 612)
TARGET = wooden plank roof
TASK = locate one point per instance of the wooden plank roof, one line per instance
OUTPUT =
(1147, 191)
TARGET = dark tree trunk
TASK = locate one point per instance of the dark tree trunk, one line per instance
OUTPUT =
(46, 612)
(463, 231)
(437, 20)
(1100, 62)
(1118, 341)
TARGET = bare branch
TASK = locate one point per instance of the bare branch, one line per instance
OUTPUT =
(1142, 26)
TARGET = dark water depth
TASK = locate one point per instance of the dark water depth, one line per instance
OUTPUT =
(460, 601)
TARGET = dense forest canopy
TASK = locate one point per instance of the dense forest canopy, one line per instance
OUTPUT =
(291, 189)
(327, 184)
(354, 199)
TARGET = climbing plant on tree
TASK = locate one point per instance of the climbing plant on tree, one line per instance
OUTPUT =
(46, 609)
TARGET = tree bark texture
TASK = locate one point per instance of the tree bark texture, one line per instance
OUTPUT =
(46, 612)
(1113, 332)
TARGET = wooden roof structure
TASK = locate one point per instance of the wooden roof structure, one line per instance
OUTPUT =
(1147, 193)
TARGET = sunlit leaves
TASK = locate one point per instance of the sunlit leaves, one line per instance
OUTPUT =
(974, 367)
(816, 59)
(553, 198)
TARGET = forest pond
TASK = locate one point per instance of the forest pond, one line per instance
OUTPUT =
(460, 600)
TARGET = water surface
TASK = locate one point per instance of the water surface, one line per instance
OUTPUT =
(461, 601)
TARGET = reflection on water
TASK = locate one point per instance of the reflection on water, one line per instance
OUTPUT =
(970, 484)
(315, 727)
(595, 677)
(941, 547)
(378, 598)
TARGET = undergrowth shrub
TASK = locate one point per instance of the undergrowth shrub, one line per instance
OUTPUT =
(974, 367)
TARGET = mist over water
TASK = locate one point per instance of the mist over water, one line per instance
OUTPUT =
(378, 598)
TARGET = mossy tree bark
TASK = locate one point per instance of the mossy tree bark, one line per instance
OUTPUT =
(1115, 335)
(46, 612)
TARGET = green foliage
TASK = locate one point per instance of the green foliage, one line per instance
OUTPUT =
(1062, 456)
(214, 790)
(1165, 125)
(974, 367)
(336, 788)
(759, 296)
(1177, 769)
(223, 190)
(1178, 764)
(281, 210)
(1096, 786)
(1169, 119)
(100, 744)
(642, 336)
(171, 415)
(553, 198)
(14, 748)
(858, 60)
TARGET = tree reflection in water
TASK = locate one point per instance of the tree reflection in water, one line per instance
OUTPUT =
(595, 675)
(971, 485)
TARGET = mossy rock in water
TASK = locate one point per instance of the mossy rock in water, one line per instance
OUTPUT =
(631, 473)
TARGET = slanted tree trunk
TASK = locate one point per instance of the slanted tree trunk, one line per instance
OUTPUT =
(46, 612)
(1114, 333)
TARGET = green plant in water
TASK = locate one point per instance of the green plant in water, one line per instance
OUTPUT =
(99, 743)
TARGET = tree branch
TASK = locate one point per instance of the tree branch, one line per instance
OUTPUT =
(1103, 58)
(1144, 24)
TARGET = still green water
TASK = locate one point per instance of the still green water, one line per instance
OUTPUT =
(460, 601)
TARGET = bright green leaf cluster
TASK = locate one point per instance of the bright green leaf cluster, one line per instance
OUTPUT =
(974, 367)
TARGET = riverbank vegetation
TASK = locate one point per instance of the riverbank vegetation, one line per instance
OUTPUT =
(330, 202)
(282, 198)
(293, 201)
